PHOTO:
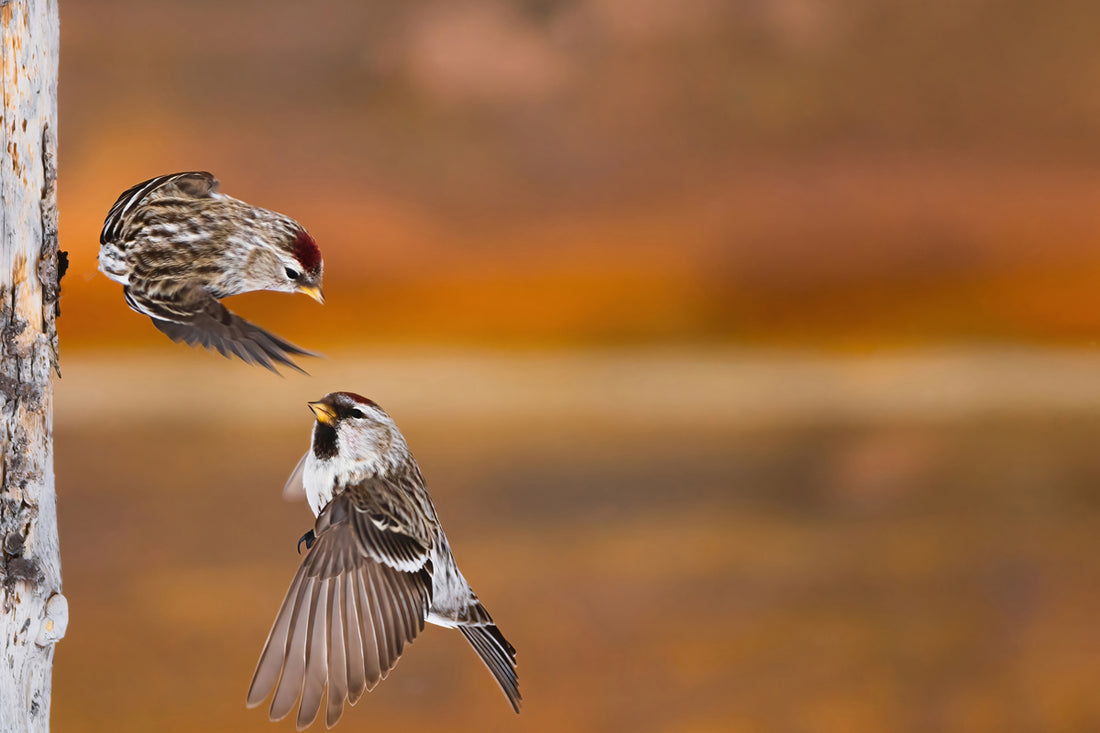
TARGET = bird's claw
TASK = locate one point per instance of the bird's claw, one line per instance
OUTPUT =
(309, 538)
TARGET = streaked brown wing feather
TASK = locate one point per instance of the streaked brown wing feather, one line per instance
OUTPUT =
(337, 653)
(195, 317)
(362, 655)
(317, 665)
(350, 617)
(191, 185)
(293, 662)
(269, 669)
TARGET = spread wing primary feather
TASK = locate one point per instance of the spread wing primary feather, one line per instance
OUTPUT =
(360, 596)
(196, 318)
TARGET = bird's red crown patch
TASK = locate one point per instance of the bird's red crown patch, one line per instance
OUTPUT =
(306, 251)
(360, 399)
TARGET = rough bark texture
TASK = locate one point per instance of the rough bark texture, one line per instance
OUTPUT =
(33, 613)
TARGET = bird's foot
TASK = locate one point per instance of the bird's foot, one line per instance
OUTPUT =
(309, 538)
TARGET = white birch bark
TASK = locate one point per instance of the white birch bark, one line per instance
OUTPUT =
(33, 613)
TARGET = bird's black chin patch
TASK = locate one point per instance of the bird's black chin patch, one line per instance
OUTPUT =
(324, 441)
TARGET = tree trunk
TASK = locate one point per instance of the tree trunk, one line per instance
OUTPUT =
(33, 613)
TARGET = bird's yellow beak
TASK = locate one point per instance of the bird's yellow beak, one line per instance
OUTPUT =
(325, 414)
(314, 292)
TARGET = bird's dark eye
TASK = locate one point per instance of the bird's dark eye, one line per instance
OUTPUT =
(292, 273)
(357, 413)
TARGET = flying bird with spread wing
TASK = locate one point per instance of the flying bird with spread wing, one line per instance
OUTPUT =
(178, 247)
(377, 567)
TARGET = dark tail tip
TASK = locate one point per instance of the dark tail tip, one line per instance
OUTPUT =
(499, 656)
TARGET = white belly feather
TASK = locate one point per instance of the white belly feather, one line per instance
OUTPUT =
(318, 479)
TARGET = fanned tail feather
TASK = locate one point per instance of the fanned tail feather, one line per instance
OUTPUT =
(498, 655)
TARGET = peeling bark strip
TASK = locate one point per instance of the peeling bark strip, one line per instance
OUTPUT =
(33, 613)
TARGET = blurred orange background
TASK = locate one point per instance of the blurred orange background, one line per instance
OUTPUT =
(747, 349)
